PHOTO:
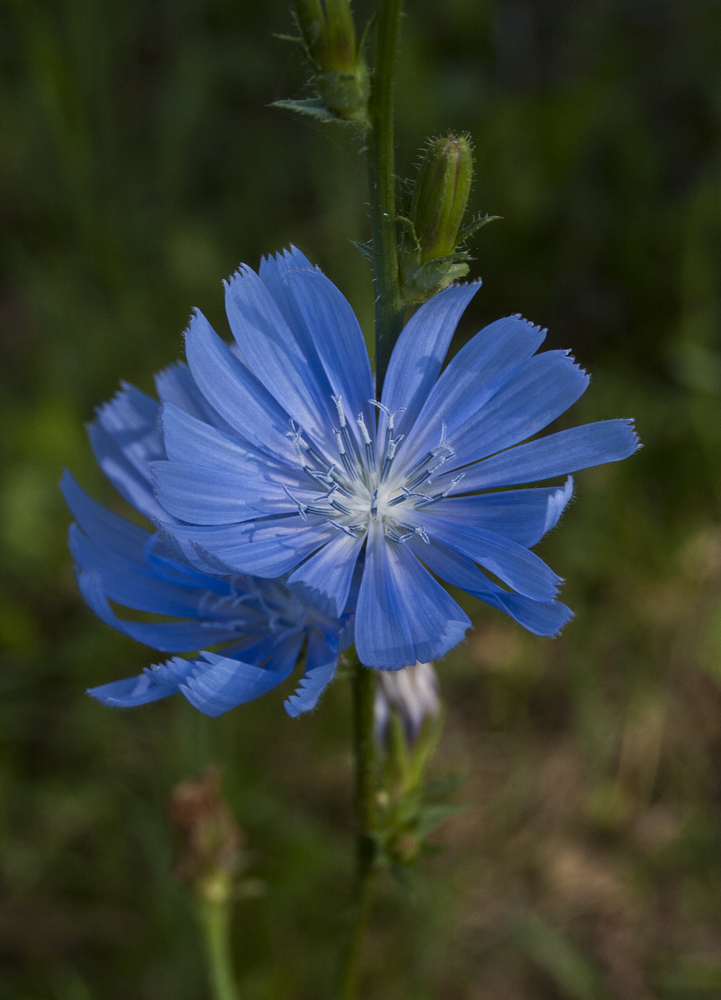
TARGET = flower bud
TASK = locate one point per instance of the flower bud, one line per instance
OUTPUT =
(441, 194)
(329, 36)
(412, 693)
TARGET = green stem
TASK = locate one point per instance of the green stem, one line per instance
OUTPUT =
(363, 688)
(214, 915)
(381, 183)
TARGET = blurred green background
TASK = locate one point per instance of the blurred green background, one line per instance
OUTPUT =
(139, 163)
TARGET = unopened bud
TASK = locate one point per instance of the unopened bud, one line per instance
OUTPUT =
(441, 194)
(412, 693)
(330, 40)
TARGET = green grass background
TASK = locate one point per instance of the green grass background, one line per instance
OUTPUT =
(139, 163)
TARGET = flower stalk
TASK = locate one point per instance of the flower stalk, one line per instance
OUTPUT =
(381, 183)
(363, 683)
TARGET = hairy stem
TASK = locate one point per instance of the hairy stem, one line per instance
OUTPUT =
(381, 183)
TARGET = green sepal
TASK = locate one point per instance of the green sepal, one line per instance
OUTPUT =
(473, 227)
(364, 249)
(408, 809)
(313, 107)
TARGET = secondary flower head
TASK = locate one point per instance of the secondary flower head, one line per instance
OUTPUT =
(259, 624)
(313, 473)
(413, 693)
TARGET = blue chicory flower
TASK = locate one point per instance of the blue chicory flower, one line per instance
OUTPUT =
(261, 625)
(313, 472)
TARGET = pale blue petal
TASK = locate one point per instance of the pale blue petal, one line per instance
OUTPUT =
(274, 271)
(203, 495)
(541, 390)
(235, 392)
(513, 563)
(131, 420)
(273, 354)
(554, 455)
(477, 372)
(133, 485)
(544, 618)
(321, 663)
(324, 580)
(177, 386)
(522, 515)
(266, 548)
(188, 439)
(222, 683)
(420, 350)
(403, 614)
(168, 637)
(152, 685)
(339, 342)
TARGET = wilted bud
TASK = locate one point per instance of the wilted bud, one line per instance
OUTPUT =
(329, 35)
(441, 194)
(213, 839)
(412, 693)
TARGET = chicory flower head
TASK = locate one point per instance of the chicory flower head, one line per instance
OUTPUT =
(261, 625)
(313, 473)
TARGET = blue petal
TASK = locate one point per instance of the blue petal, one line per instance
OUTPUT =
(544, 618)
(541, 390)
(188, 439)
(131, 420)
(203, 495)
(235, 392)
(555, 455)
(133, 485)
(477, 372)
(403, 614)
(105, 528)
(522, 515)
(506, 559)
(168, 637)
(125, 437)
(420, 350)
(324, 580)
(221, 683)
(321, 663)
(177, 386)
(339, 342)
(266, 548)
(134, 584)
(273, 354)
(274, 272)
(152, 685)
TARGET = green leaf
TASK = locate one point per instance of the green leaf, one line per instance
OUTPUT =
(574, 975)
(431, 817)
(443, 786)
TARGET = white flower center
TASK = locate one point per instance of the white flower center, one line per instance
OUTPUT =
(359, 486)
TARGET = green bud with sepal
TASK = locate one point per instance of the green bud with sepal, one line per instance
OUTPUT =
(340, 72)
(432, 236)
(440, 195)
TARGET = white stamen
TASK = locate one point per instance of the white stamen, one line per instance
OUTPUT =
(338, 400)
